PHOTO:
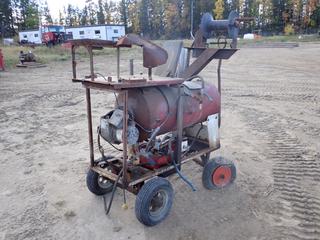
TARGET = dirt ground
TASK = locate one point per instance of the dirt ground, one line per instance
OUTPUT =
(270, 128)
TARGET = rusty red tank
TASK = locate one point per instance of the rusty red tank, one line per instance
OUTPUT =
(152, 107)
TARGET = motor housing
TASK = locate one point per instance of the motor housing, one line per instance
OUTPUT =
(111, 125)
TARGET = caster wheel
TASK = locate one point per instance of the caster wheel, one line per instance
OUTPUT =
(218, 173)
(97, 184)
(154, 201)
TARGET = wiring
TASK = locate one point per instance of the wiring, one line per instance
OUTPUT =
(193, 141)
(101, 148)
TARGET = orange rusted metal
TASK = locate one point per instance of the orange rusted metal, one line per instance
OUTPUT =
(221, 177)
(153, 55)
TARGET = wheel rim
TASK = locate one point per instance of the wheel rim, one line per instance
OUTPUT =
(103, 182)
(158, 203)
(221, 176)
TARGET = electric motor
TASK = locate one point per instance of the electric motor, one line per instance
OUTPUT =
(111, 126)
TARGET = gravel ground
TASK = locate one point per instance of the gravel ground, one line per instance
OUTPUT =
(270, 128)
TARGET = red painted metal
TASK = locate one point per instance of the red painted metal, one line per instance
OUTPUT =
(155, 161)
(157, 106)
(47, 37)
(1, 60)
(221, 176)
(51, 37)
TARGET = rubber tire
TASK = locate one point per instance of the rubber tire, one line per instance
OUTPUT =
(93, 186)
(145, 196)
(50, 44)
(209, 169)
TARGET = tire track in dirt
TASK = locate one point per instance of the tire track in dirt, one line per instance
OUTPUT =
(305, 95)
(294, 167)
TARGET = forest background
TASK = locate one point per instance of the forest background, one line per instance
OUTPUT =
(164, 19)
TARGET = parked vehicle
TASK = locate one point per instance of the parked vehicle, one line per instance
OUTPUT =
(52, 35)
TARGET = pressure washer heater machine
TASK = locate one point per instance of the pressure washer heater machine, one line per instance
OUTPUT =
(160, 121)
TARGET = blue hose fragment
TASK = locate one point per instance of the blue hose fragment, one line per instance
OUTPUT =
(183, 177)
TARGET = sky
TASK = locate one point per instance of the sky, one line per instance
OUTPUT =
(56, 5)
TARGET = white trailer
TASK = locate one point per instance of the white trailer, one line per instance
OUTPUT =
(104, 32)
(30, 36)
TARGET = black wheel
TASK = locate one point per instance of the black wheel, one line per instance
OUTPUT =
(218, 173)
(97, 184)
(50, 44)
(154, 201)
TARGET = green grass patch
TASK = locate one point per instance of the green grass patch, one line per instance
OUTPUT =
(290, 38)
(43, 54)
(46, 55)
(59, 53)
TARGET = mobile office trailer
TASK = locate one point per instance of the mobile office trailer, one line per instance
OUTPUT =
(104, 32)
(30, 36)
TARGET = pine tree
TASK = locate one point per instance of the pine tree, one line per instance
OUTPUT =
(100, 13)
(84, 16)
(133, 16)
(171, 21)
(315, 17)
(91, 9)
(109, 8)
(71, 18)
(123, 10)
(31, 18)
(185, 20)
(46, 13)
(61, 19)
(144, 17)
(6, 18)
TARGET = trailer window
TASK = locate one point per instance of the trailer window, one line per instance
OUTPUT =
(97, 32)
(25, 36)
(36, 35)
(81, 32)
(115, 31)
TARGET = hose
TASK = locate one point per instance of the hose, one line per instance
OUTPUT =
(193, 141)
(99, 145)
(179, 173)
(183, 177)
(153, 136)
(107, 209)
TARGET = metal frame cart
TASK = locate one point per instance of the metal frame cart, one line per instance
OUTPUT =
(153, 190)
